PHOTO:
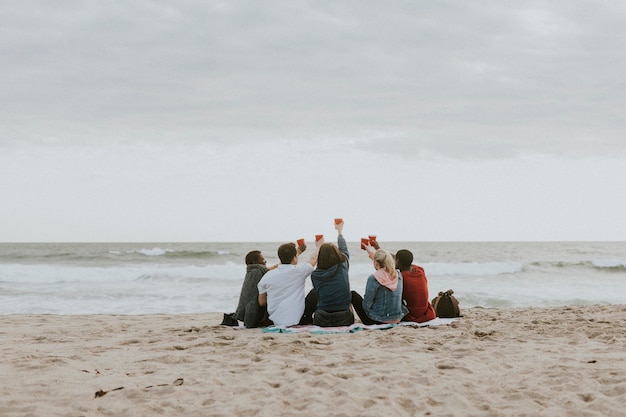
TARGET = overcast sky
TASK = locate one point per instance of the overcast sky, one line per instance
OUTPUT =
(261, 121)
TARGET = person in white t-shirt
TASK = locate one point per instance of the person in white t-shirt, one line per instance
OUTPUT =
(282, 289)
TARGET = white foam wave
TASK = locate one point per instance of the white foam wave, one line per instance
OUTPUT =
(153, 252)
(608, 263)
(472, 268)
(51, 274)
(168, 288)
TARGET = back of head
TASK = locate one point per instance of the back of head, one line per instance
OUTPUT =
(253, 257)
(286, 252)
(404, 259)
(329, 255)
(385, 260)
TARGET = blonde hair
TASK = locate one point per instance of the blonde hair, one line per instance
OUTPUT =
(385, 260)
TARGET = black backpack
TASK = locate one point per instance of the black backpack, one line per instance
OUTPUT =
(446, 305)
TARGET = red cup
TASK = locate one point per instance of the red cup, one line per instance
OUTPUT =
(300, 242)
(319, 237)
(338, 221)
(364, 242)
(372, 239)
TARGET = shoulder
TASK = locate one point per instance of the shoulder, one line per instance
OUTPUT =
(416, 272)
(372, 281)
(256, 269)
(269, 275)
(417, 268)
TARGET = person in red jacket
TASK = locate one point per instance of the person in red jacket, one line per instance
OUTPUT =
(415, 290)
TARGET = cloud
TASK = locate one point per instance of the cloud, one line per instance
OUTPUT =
(500, 78)
(150, 119)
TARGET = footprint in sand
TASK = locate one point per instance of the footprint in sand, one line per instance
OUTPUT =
(449, 366)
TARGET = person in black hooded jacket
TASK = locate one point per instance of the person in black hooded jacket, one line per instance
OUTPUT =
(332, 285)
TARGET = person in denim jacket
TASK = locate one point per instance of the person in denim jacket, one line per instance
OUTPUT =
(382, 302)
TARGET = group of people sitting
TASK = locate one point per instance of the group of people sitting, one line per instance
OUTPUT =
(396, 291)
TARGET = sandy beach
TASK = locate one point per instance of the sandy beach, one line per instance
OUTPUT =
(566, 361)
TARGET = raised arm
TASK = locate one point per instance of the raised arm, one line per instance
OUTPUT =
(341, 242)
(313, 259)
(370, 251)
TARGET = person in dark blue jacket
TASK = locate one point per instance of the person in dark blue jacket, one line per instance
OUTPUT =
(331, 283)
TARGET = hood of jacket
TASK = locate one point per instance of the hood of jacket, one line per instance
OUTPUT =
(327, 273)
(385, 279)
(260, 267)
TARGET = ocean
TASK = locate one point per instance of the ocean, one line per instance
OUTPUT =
(171, 278)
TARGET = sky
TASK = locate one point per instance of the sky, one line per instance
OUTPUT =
(153, 121)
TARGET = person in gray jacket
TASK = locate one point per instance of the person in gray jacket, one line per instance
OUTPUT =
(248, 310)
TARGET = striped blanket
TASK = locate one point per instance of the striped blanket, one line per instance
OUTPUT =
(353, 328)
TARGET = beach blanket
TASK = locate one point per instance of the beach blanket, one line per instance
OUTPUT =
(353, 328)
(438, 321)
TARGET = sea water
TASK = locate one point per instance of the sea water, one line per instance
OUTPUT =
(170, 278)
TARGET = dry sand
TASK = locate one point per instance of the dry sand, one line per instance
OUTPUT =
(567, 361)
